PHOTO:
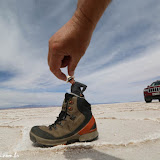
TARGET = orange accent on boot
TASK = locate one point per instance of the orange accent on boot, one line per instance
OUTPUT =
(88, 127)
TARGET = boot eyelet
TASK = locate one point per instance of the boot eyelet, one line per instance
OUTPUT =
(71, 102)
(70, 108)
(73, 117)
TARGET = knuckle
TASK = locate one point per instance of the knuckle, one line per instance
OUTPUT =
(52, 69)
(53, 45)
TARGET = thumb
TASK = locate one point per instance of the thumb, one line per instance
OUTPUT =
(72, 66)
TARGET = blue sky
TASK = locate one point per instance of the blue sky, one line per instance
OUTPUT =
(122, 59)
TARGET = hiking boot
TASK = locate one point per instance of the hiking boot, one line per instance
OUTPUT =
(74, 123)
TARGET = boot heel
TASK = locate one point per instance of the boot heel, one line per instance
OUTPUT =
(89, 136)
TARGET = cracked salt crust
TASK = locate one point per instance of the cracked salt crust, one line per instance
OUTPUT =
(126, 131)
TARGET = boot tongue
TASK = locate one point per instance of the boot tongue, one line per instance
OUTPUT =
(67, 98)
(63, 112)
(62, 115)
(64, 105)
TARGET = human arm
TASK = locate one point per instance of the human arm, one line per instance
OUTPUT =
(69, 43)
(83, 86)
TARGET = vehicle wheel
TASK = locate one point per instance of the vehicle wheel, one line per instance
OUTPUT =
(148, 100)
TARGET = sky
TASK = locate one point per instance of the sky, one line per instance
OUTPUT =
(121, 60)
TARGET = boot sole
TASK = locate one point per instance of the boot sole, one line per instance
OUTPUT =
(75, 138)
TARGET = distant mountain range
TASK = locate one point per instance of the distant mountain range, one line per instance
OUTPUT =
(43, 106)
(29, 106)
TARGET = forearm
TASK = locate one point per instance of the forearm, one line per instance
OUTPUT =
(90, 11)
(84, 88)
(69, 43)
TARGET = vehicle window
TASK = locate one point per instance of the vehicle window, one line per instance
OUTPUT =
(153, 84)
(157, 83)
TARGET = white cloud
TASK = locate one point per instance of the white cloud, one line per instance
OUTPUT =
(124, 79)
(16, 98)
(16, 56)
(123, 52)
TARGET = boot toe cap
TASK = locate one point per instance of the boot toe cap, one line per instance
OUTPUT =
(41, 133)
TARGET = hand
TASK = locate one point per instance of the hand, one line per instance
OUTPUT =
(68, 45)
(81, 95)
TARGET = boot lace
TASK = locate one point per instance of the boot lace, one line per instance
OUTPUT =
(62, 116)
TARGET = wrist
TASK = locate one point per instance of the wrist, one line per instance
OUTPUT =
(83, 21)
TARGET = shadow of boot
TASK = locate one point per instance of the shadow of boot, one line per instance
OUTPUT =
(82, 154)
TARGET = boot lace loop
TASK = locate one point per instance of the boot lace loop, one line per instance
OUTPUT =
(62, 116)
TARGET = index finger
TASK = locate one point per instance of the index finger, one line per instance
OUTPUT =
(55, 62)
